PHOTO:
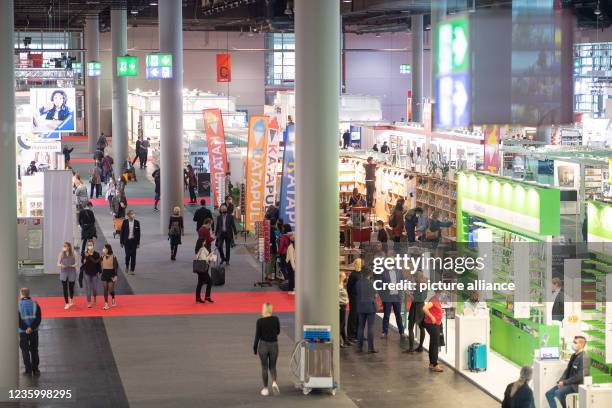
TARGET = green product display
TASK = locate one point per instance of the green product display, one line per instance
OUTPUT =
(599, 221)
(517, 206)
(517, 339)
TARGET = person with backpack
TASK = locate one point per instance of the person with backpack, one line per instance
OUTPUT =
(175, 231)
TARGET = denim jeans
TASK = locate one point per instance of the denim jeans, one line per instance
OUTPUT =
(397, 310)
(558, 393)
(363, 319)
(91, 285)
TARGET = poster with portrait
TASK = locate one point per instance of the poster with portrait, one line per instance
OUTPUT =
(53, 111)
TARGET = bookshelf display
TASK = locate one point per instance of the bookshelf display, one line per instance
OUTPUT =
(437, 194)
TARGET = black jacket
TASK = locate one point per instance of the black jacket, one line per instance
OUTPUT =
(351, 284)
(87, 222)
(91, 264)
(523, 398)
(558, 309)
(578, 367)
(138, 143)
(201, 215)
(125, 231)
(231, 226)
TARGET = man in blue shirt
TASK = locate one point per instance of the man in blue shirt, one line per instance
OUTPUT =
(29, 320)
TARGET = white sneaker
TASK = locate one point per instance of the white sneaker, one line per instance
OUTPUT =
(66, 306)
(89, 305)
(71, 302)
(275, 389)
(114, 303)
(292, 293)
(265, 392)
(105, 306)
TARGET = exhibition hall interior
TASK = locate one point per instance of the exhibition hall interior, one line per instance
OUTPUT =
(306, 203)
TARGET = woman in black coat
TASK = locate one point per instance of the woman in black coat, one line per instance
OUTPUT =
(518, 394)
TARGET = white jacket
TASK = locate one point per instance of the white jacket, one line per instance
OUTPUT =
(291, 256)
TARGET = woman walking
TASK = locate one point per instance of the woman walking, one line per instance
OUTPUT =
(433, 324)
(291, 264)
(201, 268)
(267, 330)
(67, 263)
(109, 274)
(396, 221)
(343, 301)
(111, 192)
(192, 184)
(95, 181)
(175, 231)
(91, 271)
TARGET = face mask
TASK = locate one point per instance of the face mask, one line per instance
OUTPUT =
(104, 251)
(573, 347)
(90, 247)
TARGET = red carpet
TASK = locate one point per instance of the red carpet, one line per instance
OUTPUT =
(173, 304)
(77, 138)
(81, 160)
(141, 201)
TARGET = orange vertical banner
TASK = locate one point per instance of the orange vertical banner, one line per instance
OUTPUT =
(256, 170)
(215, 139)
(224, 68)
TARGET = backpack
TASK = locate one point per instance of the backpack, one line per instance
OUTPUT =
(175, 228)
(393, 220)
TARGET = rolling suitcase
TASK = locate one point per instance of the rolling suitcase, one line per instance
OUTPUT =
(217, 274)
(477, 357)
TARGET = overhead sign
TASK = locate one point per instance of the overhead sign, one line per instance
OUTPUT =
(52, 111)
(127, 66)
(215, 138)
(256, 169)
(94, 69)
(77, 68)
(452, 73)
(405, 69)
(224, 67)
(159, 66)
(491, 148)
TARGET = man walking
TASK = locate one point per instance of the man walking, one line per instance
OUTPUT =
(29, 319)
(144, 152)
(157, 179)
(87, 222)
(366, 307)
(391, 299)
(201, 215)
(130, 240)
(370, 179)
(137, 151)
(226, 229)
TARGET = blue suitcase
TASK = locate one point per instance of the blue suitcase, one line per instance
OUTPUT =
(477, 357)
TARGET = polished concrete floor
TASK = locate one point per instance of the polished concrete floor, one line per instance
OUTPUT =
(207, 360)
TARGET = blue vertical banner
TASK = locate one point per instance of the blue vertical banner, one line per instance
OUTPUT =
(287, 195)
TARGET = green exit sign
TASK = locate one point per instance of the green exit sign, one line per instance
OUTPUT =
(127, 66)
(452, 39)
(405, 69)
(159, 60)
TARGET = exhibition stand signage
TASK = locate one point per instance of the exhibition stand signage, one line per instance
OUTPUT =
(287, 199)
(509, 204)
(159, 66)
(256, 170)
(599, 225)
(127, 66)
(94, 69)
(224, 68)
(215, 138)
(272, 159)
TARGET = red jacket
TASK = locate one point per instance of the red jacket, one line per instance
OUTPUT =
(284, 243)
(206, 237)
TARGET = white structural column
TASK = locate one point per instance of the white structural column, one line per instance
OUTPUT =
(92, 84)
(171, 104)
(317, 50)
(120, 88)
(9, 349)
(416, 34)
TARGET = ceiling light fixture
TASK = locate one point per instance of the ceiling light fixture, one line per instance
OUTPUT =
(597, 10)
(153, 3)
(347, 1)
(134, 12)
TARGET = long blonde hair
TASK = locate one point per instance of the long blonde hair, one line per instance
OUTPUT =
(266, 309)
(524, 378)
(341, 278)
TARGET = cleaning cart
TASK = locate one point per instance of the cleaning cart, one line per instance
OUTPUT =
(312, 362)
